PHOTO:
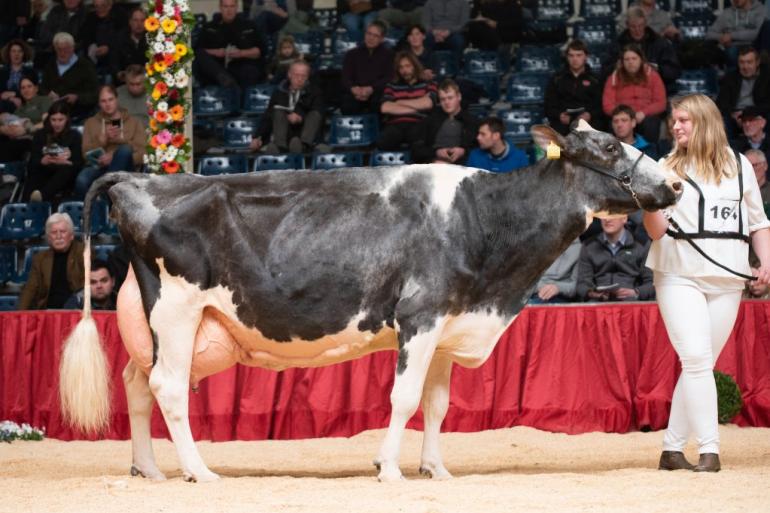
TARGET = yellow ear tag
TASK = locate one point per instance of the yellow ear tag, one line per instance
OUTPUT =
(553, 151)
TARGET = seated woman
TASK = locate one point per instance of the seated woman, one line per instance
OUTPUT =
(113, 140)
(415, 43)
(55, 156)
(638, 85)
(16, 129)
(13, 55)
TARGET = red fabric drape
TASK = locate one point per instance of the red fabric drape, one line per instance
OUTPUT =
(569, 369)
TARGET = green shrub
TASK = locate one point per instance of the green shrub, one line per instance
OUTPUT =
(729, 400)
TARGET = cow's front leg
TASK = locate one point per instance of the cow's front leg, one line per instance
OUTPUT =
(414, 358)
(176, 325)
(435, 402)
(140, 401)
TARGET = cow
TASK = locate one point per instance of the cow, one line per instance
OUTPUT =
(308, 268)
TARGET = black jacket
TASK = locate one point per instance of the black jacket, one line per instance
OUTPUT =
(566, 91)
(658, 50)
(424, 151)
(597, 266)
(310, 99)
(730, 89)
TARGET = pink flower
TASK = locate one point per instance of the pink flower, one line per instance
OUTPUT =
(164, 137)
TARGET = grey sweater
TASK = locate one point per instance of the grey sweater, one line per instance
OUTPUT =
(742, 24)
(564, 271)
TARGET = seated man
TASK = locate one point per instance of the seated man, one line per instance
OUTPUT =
(558, 282)
(132, 95)
(68, 16)
(449, 133)
(611, 266)
(294, 114)
(70, 78)
(99, 33)
(758, 161)
(405, 104)
(402, 13)
(131, 45)
(57, 272)
(657, 19)
(754, 122)
(749, 85)
(737, 25)
(574, 92)
(230, 50)
(365, 71)
(445, 21)
(494, 152)
(102, 283)
(623, 126)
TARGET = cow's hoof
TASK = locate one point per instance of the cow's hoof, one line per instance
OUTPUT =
(392, 475)
(435, 471)
(203, 477)
(154, 474)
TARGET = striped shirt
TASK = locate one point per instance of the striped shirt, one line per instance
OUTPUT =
(400, 90)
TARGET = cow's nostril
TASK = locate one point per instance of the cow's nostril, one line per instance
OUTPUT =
(677, 186)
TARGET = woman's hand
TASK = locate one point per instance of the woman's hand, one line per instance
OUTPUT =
(763, 275)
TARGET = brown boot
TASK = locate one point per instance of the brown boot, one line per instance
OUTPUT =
(673, 460)
(708, 462)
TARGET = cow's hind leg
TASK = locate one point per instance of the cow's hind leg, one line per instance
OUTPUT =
(435, 402)
(140, 403)
(413, 361)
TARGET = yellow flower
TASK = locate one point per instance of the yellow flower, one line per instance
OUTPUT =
(169, 26)
(160, 66)
(181, 49)
(163, 147)
(150, 70)
(151, 24)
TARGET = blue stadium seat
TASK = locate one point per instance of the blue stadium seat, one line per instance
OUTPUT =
(607, 9)
(256, 98)
(8, 263)
(326, 18)
(75, 210)
(224, 164)
(20, 221)
(489, 83)
(328, 62)
(9, 303)
(309, 43)
(553, 10)
(519, 122)
(336, 160)
(284, 161)
(393, 36)
(694, 26)
(355, 130)
(599, 55)
(30, 252)
(482, 63)
(99, 210)
(444, 63)
(595, 31)
(238, 132)
(687, 7)
(538, 58)
(390, 158)
(527, 88)
(698, 81)
(214, 101)
(102, 251)
(342, 42)
(480, 110)
(14, 172)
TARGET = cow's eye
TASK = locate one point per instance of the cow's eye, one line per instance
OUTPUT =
(611, 148)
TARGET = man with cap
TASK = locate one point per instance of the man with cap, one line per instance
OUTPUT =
(754, 121)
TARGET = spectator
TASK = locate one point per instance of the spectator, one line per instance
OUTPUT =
(131, 45)
(758, 161)
(70, 78)
(558, 282)
(69, 17)
(31, 30)
(286, 54)
(14, 16)
(449, 133)
(623, 125)
(365, 71)
(750, 85)
(658, 50)
(56, 272)
(14, 55)
(132, 95)
(16, 129)
(230, 50)
(753, 121)
(445, 21)
(495, 22)
(574, 92)
(611, 266)
(405, 104)
(34, 106)
(301, 17)
(415, 43)
(102, 283)
(636, 84)
(494, 152)
(738, 25)
(294, 114)
(112, 141)
(269, 16)
(356, 15)
(55, 156)
(98, 33)
(657, 19)
(402, 13)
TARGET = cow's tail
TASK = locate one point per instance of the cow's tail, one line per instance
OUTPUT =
(84, 389)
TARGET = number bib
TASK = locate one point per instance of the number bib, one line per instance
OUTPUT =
(721, 215)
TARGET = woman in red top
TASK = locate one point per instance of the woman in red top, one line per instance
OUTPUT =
(637, 84)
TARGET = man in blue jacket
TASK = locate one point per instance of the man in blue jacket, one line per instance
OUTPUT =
(494, 152)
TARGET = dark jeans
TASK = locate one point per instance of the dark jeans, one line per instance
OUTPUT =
(122, 160)
(394, 135)
(307, 132)
(455, 42)
(350, 105)
(239, 73)
(49, 180)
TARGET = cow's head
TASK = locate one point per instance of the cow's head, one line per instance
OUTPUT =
(618, 177)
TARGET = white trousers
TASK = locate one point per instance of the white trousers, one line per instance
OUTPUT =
(698, 320)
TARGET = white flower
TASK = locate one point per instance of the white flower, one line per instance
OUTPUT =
(160, 37)
(181, 82)
(183, 6)
(168, 9)
(162, 106)
(158, 47)
(166, 76)
(170, 47)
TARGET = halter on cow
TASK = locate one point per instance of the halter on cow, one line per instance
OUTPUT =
(307, 268)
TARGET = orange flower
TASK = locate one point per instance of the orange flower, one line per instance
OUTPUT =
(161, 116)
(161, 87)
(151, 24)
(171, 167)
(154, 141)
(153, 125)
(177, 112)
(169, 59)
(178, 140)
(150, 70)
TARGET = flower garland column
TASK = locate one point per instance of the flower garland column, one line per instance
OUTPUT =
(169, 57)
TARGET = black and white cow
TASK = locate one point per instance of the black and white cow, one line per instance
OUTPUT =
(307, 268)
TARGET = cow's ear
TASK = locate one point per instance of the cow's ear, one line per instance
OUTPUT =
(583, 126)
(543, 135)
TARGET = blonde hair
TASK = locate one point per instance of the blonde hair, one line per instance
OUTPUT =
(707, 150)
